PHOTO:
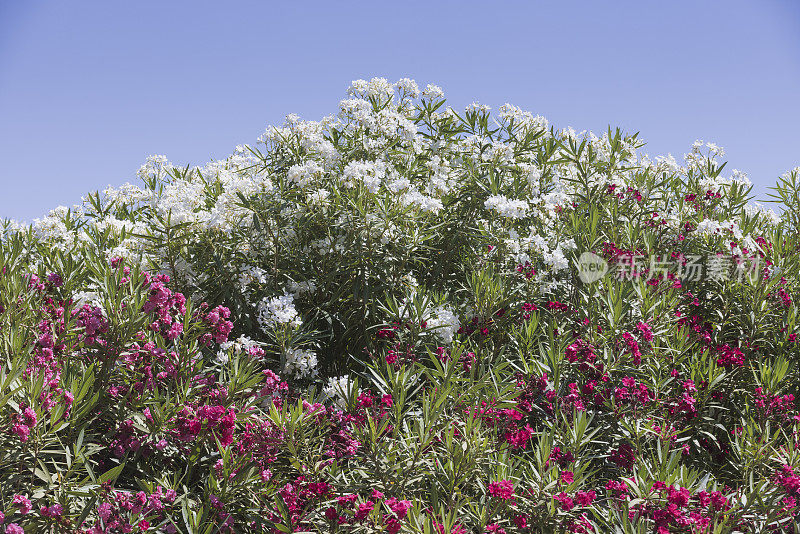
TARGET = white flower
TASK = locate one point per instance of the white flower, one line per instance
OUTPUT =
(512, 209)
(768, 214)
(370, 173)
(445, 323)
(278, 310)
(475, 106)
(240, 345)
(303, 173)
(300, 363)
(395, 186)
(318, 197)
(298, 288)
(154, 166)
(556, 259)
(376, 87)
(251, 275)
(337, 389)
(408, 86)
(569, 244)
(433, 92)
(525, 119)
(423, 202)
(82, 298)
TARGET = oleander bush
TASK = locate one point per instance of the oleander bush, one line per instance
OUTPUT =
(384, 322)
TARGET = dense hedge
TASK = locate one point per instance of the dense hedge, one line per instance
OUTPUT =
(386, 321)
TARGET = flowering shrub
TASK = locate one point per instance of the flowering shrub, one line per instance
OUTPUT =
(406, 318)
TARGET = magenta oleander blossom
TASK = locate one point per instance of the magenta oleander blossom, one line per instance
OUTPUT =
(503, 489)
(22, 503)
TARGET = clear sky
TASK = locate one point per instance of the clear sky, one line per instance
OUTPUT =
(88, 89)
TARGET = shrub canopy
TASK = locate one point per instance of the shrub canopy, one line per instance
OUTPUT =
(406, 318)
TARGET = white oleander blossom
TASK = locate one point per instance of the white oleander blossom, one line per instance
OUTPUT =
(240, 345)
(370, 173)
(768, 214)
(300, 288)
(300, 363)
(444, 323)
(556, 259)
(505, 207)
(91, 297)
(277, 311)
(251, 274)
(423, 202)
(708, 227)
(303, 174)
(337, 389)
(155, 166)
(318, 197)
(433, 92)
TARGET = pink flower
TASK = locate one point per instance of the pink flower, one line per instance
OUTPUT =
(644, 328)
(215, 502)
(678, 496)
(566, 502)
(104, 511)
(346, 500)
(364, 510)
(23, 503)
(14, 528)
(54, 511)
(567, 477)
(585, 498)
(30, 417)
(400, 508)
(330, 514)
(22, 431)
(502, 490)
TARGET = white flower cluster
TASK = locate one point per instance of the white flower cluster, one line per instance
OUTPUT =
(523, 119)
(251, 274)
(433, 92)
(505, 207)
(300, 288)
(91, 297)
(370, 173)
(375, 88)
(300, 363)
(556, 259)
(303, 173)
(278, 310)
(423, 202)
(53, 229)
(715, 183)
(337, 389)
(129, 193)
(708, 227)
(155, 166)
(310, 135)
(521, 249)
(444, 323)
(318, 197)
(768, 214)
(227, 213)
(240, 345)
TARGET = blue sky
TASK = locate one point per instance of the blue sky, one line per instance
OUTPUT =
(89, 89)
